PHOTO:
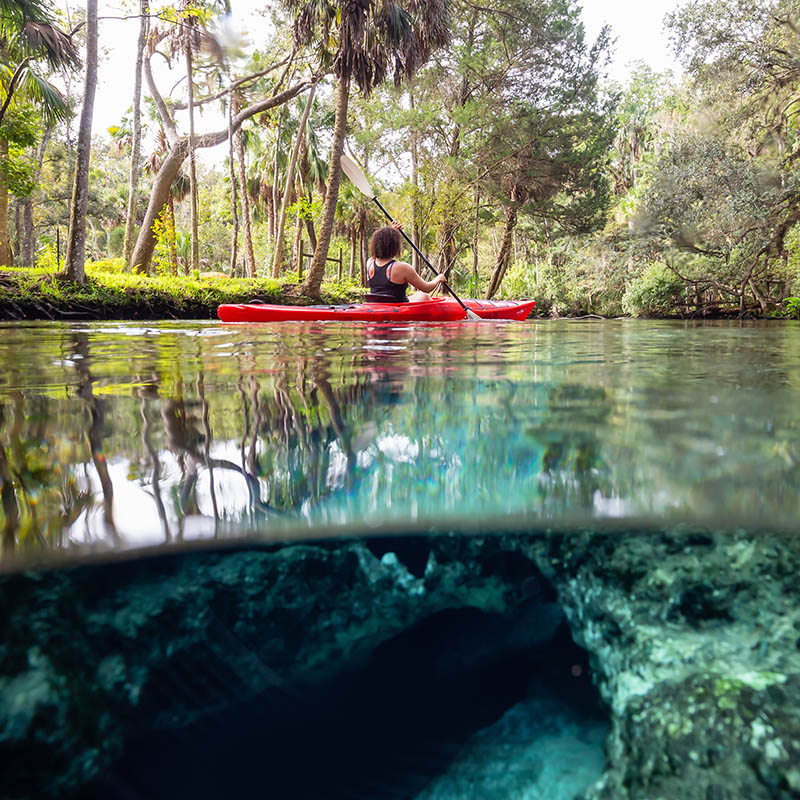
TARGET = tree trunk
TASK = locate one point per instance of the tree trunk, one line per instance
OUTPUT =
(298, 241)
(277, 259)
(27, 233)
(448, 250)
(312, 234)
(6, 256)
(415, 231)
(192, 163)
(146, 242)
(273, 188)
(266, 195)
(136, 140)
(247, 225)
(501, 264)
(234, 199)
(76, 242)
(17, 225)
(475, 241)
(317, 270)
(353, 245)
(364, 256)
(28, 240)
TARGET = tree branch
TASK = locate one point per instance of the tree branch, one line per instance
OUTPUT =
(217, 137)
(166, 120)
(235, 85)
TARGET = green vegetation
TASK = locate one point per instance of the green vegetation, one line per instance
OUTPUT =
(510, 159)
(110, 292)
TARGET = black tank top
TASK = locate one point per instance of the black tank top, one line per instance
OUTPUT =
(381, 288)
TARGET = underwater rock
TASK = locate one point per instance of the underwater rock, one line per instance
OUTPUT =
(692, 638)
(88, 652)
(692, 641)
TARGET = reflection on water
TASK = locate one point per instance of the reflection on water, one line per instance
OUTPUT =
(122, 435)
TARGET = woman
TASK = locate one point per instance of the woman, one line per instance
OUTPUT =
(388, 277)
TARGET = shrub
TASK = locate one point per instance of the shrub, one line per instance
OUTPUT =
(47, 258)
(519, 282)
(793, 307)
(656, 292)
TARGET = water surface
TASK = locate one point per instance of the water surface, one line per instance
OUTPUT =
(132, 434)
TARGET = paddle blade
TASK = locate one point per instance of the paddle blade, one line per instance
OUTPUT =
(353, 171)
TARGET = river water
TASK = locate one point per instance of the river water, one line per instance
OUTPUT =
(130, 434)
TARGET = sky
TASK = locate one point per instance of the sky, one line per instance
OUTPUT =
(637, 27)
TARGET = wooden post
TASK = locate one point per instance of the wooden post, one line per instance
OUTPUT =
(339, 272)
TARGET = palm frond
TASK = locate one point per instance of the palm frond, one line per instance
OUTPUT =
(14, 13)
(52, 43)
(52, 103)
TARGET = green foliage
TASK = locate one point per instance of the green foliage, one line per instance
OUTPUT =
(116, 238)
(520, 281)
(111, 292)
(307, 209)
(47, 258)
(792, 305)
(656, 292)
(107, 265)
(164, 254)
(20, 170)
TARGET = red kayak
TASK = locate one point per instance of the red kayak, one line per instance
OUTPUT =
(438, 309)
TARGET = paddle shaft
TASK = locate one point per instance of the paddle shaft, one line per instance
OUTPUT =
(422, 256)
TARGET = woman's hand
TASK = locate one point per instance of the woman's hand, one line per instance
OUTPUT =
(398, 226)
(440, 279)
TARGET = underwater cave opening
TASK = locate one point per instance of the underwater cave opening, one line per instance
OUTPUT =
(461, 690)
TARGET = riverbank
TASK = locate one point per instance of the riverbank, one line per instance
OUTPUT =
(41, 295)
(110, 293)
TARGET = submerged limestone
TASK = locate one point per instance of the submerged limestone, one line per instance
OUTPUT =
(692, 639)
(89, 652)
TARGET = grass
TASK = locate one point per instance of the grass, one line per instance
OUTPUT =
(111, 293)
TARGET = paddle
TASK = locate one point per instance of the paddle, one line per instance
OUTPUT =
(353, 171)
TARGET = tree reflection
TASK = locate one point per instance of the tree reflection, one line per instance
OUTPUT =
(41, 496)
(572, 462)
(148, 393)
(169, 436)
(96, 412)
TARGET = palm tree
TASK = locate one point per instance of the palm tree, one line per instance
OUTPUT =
(136, 133)
(76, 238)
(363, 42)
(28, 38)
(188, 39)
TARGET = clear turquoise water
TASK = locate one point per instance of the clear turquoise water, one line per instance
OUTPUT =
(131, 434)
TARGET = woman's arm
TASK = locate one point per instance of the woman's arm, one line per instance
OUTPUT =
(408, 273)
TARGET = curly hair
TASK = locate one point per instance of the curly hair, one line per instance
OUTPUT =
(386, 243)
